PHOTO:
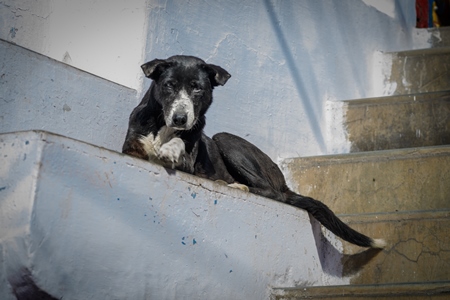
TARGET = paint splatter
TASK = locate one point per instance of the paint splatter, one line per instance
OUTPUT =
(215, 202)
(118, 199)
(231, 271)
(27, 142)
(13, 31)
(3, 188)
(193, 195)
(194, 242)
(182, 241)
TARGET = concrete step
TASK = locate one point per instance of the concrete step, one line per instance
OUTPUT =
(40, 93)
(440, 37)
(413, 179)
(410, 291)
(419, 71)
(90, 223)
(395, 122)
(418, 248)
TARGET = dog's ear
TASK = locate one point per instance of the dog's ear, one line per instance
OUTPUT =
(153, 69)
(217, 75)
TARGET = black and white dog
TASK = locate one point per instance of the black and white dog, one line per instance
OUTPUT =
(167, 127)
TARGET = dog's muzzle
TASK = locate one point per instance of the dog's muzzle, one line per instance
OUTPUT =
(181, 115)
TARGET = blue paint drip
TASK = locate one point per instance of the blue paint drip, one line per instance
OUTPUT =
(118, 199)
(231, 271)
(194, 194)
(215, 202)
(183, 243)
(27, 142)
(13, 32)
(194, 242)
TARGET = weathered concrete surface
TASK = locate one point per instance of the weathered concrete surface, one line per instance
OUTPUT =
(422, 291)
(40, 93)
(420, 71)
(94, 224)
(418, 248)
(440, 37)
(380, 181)
(398, 121)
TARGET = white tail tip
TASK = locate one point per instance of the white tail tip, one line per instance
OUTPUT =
(378, 243)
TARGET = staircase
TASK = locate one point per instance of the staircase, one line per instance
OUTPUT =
(395, 184)
(91, 223)
(86, 222)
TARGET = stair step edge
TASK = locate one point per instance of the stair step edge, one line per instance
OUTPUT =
(380, 290)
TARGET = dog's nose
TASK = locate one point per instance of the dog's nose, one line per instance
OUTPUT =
(179, 119)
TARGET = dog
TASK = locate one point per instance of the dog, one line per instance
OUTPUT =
(167, 128)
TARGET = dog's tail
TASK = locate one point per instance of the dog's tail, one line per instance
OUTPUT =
(329, 220)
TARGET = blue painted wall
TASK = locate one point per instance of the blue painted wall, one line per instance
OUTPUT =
(287, 59)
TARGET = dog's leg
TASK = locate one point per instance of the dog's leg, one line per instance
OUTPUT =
(172, 152)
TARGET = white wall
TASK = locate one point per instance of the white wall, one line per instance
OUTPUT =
(287, 59)
(37, 92)
(290, 60)
(102, 37)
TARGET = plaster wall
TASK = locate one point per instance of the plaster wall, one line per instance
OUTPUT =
(287, 59)
(290, 61)
(103, 37)
(37, 92)
(88, 225)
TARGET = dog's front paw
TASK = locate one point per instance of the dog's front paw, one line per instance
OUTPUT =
(172, 151)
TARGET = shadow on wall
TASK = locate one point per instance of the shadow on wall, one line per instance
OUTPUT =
(313, 117)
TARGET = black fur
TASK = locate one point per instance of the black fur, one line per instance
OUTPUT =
(169, 76)
(250, 166)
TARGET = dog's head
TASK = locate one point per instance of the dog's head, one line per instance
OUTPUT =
(183, 87)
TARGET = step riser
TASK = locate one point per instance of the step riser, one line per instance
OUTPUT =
(440, 37)
(398, 122)
(418, 249)
(418, 291)
(384, 181)
(420, 71)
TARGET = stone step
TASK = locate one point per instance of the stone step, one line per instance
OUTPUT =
(418, 248)
(395, 122)
(413, 179)
(440, 37)
(410, 291)
(419, 71)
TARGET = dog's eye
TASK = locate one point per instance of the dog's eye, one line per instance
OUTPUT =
(169, 85)
(196, 87)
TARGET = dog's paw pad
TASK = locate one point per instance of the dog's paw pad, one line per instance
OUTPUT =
(242, 187)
